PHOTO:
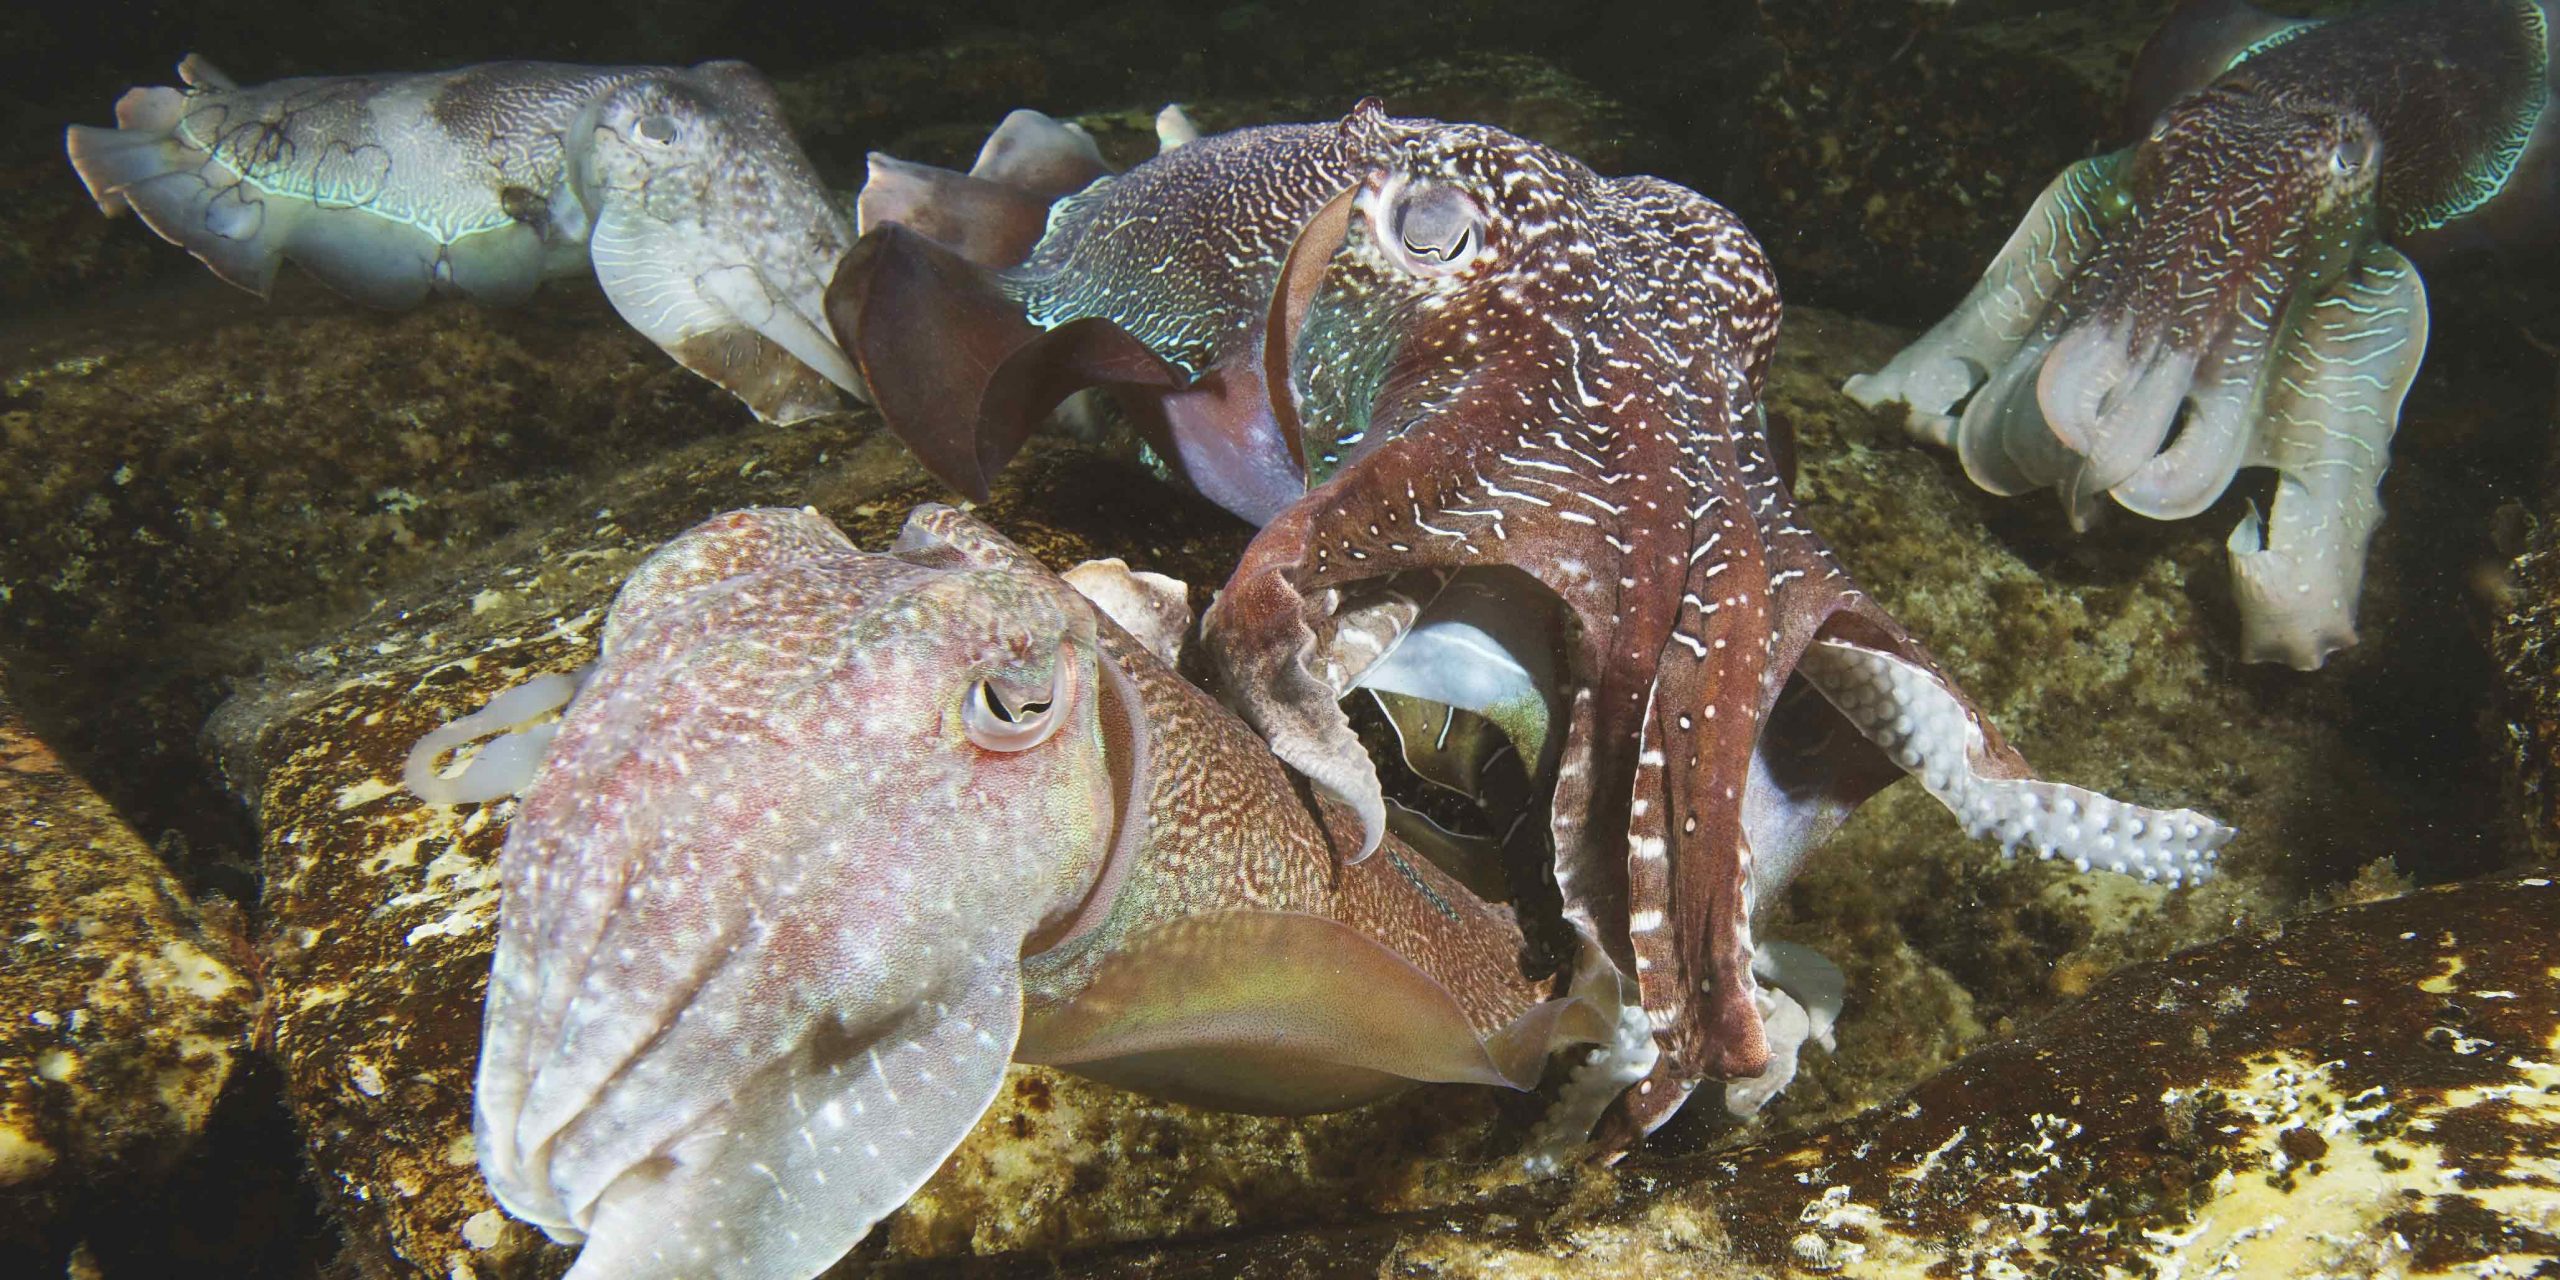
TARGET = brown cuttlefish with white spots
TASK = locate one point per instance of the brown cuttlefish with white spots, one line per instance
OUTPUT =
(1500, 420)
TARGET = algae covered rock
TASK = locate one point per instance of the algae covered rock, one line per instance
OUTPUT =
(122, 1011)
(2369, 1091)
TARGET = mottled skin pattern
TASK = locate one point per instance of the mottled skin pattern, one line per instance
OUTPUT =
(1482, 355)
(704, 222)
(2219, 295)
(1578, 397)
(786, 889)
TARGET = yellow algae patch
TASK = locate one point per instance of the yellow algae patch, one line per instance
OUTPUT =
(24, 1157)
(190, 970)
(365, 792)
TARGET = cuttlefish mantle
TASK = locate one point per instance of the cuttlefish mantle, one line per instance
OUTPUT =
(681, 188)
(2231, 291)
(826, 838)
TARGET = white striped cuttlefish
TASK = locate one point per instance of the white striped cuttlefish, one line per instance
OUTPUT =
(681, 188)
(1499, 419)
(825, 838)
(2231, 291)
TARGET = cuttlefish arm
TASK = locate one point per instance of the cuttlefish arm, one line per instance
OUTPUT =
(1483, 370)
(2169, 314)
(1163, 284)
(704, 223)
(829, 837)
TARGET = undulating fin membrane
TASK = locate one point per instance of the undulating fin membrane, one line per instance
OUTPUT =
(2199, 42)
(180, 192)
(988, 223)
(994, 214)
(194, 201)
(1039, 156)
(956, 370)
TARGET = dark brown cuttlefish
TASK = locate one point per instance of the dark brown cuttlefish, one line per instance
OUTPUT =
(1430, 356)
(2230, 291)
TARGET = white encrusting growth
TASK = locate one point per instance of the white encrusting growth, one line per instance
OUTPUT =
(1908, 711)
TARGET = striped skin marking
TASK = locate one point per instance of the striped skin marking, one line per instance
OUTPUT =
(2162, 318)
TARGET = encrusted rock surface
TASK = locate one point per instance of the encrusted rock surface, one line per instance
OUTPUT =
(122, 1011)
(2369, 1091)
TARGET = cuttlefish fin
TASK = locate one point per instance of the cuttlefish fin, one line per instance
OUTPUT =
(198, 72)
(2200, 41)
(1997, 334)
(2335, 399)
(1041, 156)
(2526, 209)
(841, 1133)
(187, 197)
(1152, 608)
(1174, 128)
(1284, 1013)
(996, 212)
(956, 370)
(989, 223)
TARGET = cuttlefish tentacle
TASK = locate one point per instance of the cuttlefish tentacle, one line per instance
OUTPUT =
(701, 218)
(829, 837)
(2171, 313)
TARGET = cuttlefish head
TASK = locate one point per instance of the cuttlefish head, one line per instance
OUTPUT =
(765, 904)
(2243, 211)
(713, 236)
(1449, 256)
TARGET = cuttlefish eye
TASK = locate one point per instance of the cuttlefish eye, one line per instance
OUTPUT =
(1438, 227)
(660, 128)
(1000, 717)
(2351, 156)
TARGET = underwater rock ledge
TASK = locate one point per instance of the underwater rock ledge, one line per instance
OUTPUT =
(2364, 1091)
(122, 1012)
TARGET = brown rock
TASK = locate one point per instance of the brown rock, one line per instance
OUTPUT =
(2369, 1091)
(122, 1012)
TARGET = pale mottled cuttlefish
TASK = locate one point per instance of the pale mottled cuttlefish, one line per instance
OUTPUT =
(827, 838)
(703, 221)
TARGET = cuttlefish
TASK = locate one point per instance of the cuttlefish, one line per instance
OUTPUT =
(1436, 361)
(2232, 290)
(682, 189)
(825, 838)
